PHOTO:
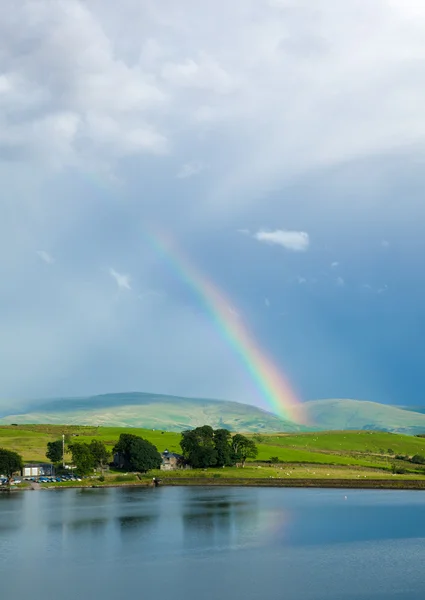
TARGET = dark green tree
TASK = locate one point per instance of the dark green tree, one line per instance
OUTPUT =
(198, 447)
(138, 453)
(54, 451)
(243, 448)
(82, 457)
(223, 448)
(100, 454)
(10, 463)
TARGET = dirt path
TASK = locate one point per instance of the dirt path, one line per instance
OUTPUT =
(35, 485)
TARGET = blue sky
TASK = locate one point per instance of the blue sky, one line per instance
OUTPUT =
(280, 143)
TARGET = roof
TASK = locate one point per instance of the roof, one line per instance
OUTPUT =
(167, 454)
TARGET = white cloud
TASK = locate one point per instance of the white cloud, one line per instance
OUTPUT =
(46, 257)
(301, 280)
(385, 244)
(93, 105)
(190, 169)
(122, 280)
(204, 73)
(335, 264)
(297, 241)
(267, 302)
(243, 231)
(340, 282)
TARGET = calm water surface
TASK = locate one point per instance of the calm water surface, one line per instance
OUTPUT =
(212, 543)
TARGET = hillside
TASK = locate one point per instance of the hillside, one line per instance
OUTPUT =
(151, 411)
(303, 453)
(176, 413)
(357, 414)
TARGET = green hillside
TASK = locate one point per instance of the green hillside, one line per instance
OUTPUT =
(351, 449)
(152, 411)
(357, 414)
(176, 413)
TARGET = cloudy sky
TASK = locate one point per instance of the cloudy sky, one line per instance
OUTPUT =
(280, 143)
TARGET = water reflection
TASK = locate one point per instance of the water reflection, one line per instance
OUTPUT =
(228, 521)
(135, 525)
(91, 525)
(172, 542)
(11, 508)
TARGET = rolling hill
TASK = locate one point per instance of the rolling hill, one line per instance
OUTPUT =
(359, 414)
(176, 413)
(153, 411)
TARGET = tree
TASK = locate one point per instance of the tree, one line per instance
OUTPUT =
(100, 453)
(82, 457)
(55, 451)
(198, 447)
(10, 463)
(223, 448)
(243, 448)
(138, 453)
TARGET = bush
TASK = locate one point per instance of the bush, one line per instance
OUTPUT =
(216, 475)
(418, 459)
(390, 451)
(397, 470)
(274, 459)
(102, 478)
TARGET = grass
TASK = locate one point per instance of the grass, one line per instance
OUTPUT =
(347, 441)
(253, 474)
(31, 440)
(344, 454)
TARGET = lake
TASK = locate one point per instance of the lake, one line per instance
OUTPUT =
(212, 543)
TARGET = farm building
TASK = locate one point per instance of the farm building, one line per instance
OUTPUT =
(37, 469)
(171, 461)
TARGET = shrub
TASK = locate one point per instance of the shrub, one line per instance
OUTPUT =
(397, 470)
(390, 451)
(418, 459)
(102, 478)
(274, 459)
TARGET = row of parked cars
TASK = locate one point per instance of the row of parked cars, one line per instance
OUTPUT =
(44, 479)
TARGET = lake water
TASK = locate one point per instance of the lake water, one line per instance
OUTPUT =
(212, 543)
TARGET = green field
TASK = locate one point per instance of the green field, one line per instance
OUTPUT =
(342, 454)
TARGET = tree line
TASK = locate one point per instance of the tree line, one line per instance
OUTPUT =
(201, 448)
(137, 454)
(205, 447)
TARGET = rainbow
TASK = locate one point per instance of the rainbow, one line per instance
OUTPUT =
(275, 391)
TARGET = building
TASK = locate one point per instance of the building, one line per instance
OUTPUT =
(119, 460)
(37, 469)
(171, 461)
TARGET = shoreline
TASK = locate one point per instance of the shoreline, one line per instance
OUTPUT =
(381, 484)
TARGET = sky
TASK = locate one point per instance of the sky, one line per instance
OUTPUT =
(279, 143)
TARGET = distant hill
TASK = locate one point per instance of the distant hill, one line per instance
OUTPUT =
(358, 414)
(176, 413)
(153, 411)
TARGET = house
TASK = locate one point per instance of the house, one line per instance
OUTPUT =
(119, 460)
(171, 461)
(37, 469)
